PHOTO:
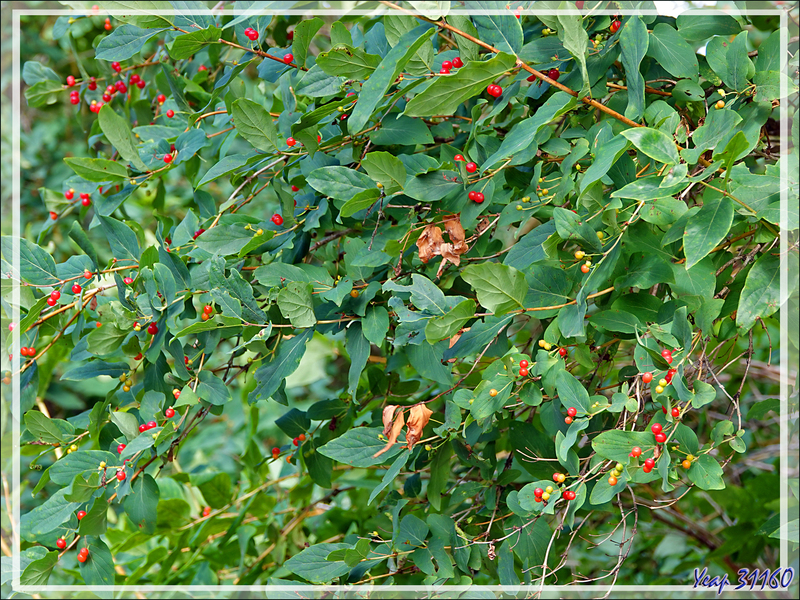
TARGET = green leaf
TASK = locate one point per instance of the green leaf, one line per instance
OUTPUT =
(375, 87)
(254, 124)
(357, 446)
(189, 44)
(271, 375)
(447, 325)
(97, 169)
(616, 445)
(672, 52)
(361, 201)
(707, 229)
(124, 42)
(296, 304)
(497, 26)
(99, 566)
(347, 61)
(118, 132)
(358, 349)
(760, 409)
(37, 572)
(293, 423)
(227, 165)
(654, 143)
(575, 40)
(761, 295)
(341, 183)
(411, 533)
(44, 92)
(375, 324)
(36, 266)
(694, 26)
(740, 68)
(303, 34)
(121, 238)
(49, 515)
(571, 228)
(50, 431)
(633, 42)
(144, 13)
(313, 565)
(616, 320)
(225, 239)
(519, 142)
(140, 505)
(447, 93)
(572, 393)
(215, 487)
(82, 489)
(530, 248)
(467, 49)
(500, 288)
(390, 475)
(440, 474)
(706, 473)
(386, 169)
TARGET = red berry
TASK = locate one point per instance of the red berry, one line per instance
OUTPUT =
(568, 420)
(202, 68)
(661, 438)
(74, 100)
(457, 62)
(276, 451)
(288, 58)
(277, 219)
(152, 329)
(208, 309)
(447, 65)
(106, 97)
(291, 141)
(554, 74)
(664, 409)
(562, 352)
(615, 25)
(61, 543)
(116, 66)
(86, 201)
(80, 514)
(295, 188)
(523, 372)
(555, 476)
(169, 413)
(290, 35)
(120, 448)
(668, 359)
(135, 78)
(579, 4)
(471, 195)
(636, 451)
(649, 463)
(55, 295)
(140, 84)
(479, 197)
(170, 113)
(142, 428)
(107, 25)
(458, 157)
(656, 428)
(76, 288)
(572, 411)
(92, 83)
(121, 475)
(82, 558)
(206, 511)
(471, 167)
(121, 87)
(53, 215)
(494, 90)
(161, 98)
(538, 492)
(296, 441)
(151, 424)
(670, 374)
(676, 412)
(523, 363)
(69, 194)
(647, 377)
(585, 268)
(51, 302)
(168, 158)
(87, 274)
(665, 353)
(569, 495)
(128, 280)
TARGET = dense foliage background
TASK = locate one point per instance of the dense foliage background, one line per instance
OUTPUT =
(281, 243)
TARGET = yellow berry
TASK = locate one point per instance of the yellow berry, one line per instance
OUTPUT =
(526, 199)
(721, 92)
(73, 447)
(542, 343)
(600, 235)
(102, 464)
(155, 435)
(548, 346)
(259, 232)
(579, 255)
(720, 104)
(519, 206)
(471, 400)
(663, 382)
(561, 477)
(123, 377)
(379, 185)
(577, 166)
(493, 392)
(126, 388)
(659, 389)
(545, 496)
(541, 179)
(549, 489)
(545, 191)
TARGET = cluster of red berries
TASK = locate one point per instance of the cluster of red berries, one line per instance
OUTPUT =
(661, 437)
(471, 167)
(145, 426)
(53, 299)
(277, 219)
(523, 368)
(74, 95)
(25, 351)
(543, 495)
(208, 310)
(449, 65)
(667, 354)
(251, 34)
(571, 413)
(86, 199)
(494, 90)
(615, 25)
(107, 25)
(83, 554)
(476, 196)
(198, 233)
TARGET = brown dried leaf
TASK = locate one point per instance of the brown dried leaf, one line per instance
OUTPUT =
(452, 225)
(397, 427)
(388, 418)
(418, 417)
(429, 242)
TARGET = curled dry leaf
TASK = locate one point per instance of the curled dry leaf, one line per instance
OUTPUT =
(431, 243)
(418, 417)
(396, 427)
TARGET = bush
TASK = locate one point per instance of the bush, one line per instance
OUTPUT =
(399, 299)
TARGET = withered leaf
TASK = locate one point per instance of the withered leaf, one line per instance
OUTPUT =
(396, 427)
(429, 242)
(418, 417)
